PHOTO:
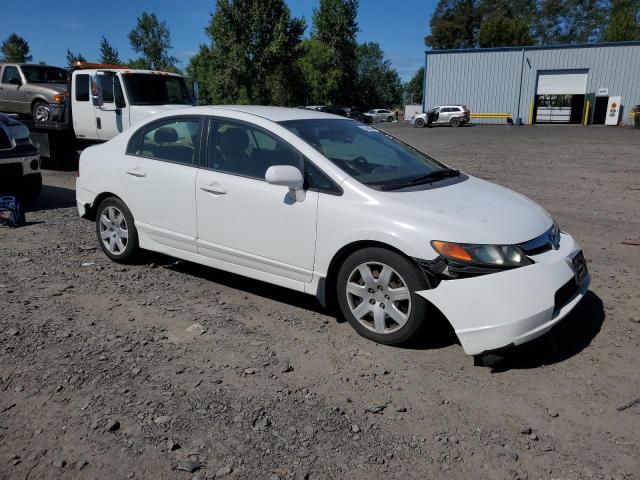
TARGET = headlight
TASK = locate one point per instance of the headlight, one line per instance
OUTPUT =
(501, 256)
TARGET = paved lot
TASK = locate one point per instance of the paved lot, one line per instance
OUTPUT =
(101, 376)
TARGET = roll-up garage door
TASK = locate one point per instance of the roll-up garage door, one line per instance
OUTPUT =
(560, 96)
(562, 83)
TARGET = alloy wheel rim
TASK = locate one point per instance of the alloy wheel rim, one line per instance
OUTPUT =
(42, 113)
(378, 297)
(114, 232)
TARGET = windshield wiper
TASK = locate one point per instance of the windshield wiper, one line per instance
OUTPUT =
(434, 176)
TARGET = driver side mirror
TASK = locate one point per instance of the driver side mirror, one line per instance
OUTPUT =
(287, 176)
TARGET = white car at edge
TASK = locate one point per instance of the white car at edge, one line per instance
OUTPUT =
(334, 208)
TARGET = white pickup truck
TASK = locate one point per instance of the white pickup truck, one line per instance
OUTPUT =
(99, 102)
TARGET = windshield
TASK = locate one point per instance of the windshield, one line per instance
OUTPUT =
(154, 89)
(369, 155)
(37, 74)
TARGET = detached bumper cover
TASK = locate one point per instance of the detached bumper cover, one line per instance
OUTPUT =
(512, 307)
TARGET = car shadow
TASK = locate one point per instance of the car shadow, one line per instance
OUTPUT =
(565, 340)
(52, 198)
(238, 282)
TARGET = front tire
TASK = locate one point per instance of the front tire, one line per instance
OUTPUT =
(40, 112)
(116, 231)
(420, 123)
(389, 119)
(376, 294)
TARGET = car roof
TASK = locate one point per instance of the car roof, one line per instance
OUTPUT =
(275, 114)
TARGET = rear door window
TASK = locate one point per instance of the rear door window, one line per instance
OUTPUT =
(174, 140)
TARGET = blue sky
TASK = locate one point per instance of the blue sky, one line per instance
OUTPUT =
(398, 26)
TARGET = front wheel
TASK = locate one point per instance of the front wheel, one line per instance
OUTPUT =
(389, 119)
(420, 122)
(41, 112)
(376, 294)
(116, 232)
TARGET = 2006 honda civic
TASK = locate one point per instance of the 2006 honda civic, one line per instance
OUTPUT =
(335, 208)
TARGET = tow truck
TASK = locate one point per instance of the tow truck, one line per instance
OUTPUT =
(100, 102)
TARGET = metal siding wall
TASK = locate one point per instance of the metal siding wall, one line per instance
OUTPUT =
(487, 81)
(484, 82)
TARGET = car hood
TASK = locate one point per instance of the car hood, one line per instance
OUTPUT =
(51, 87)
(474, 211)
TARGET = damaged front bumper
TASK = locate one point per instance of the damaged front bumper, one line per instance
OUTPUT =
(515, 306)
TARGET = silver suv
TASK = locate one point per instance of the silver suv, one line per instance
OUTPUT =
(34, 90)
(454, 115)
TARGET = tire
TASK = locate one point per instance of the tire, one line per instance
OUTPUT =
(111, 228)
(368, 314)
(31, 187)
(420, 122)
(455, 122)
(389, 119)
(40, 112)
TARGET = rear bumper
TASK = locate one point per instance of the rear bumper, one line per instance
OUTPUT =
(84, 200)
(512, 307)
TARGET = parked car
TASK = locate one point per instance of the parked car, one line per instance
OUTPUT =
(454, 115)
(359, 116)
(31, 89)
(381, 115)
(336, 209)
(19, 161)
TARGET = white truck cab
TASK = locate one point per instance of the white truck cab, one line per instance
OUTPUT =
(105, 100)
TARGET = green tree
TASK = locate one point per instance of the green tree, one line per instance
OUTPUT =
(623, 24)
(252, 56)
(503, 31)
(378, 82)
(454, 24)
(151, 38)
(569, 21)
(335, 26)
(72, 58)
(320, 79)
(15, 49)
(108, 54)
(414, 89)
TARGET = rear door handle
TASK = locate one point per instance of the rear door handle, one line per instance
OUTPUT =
(215, 188)
(137, 173)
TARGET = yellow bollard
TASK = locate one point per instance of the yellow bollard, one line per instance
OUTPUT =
(586, 114)
(530, 113)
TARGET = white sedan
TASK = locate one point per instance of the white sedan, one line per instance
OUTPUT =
(337, 209)
(381, 115)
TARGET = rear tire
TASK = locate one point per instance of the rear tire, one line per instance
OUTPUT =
(455, 122)
(381, 304)
(116, 231)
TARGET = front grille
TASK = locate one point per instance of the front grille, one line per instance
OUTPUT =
(543, 243)
(565, 294)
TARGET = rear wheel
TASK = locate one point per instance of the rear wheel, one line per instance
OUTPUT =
(376, 294)
(116, 232)
(40, 112)
(455, 122)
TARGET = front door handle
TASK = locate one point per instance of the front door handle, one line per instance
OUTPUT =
(215, 188)
(137, 173)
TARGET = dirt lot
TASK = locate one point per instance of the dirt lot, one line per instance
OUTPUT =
(103, 376)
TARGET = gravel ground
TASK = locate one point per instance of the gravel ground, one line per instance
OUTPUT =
(171, 370)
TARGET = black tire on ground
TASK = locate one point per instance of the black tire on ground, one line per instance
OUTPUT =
(455, 122)
(411, 274)
(132, 249)
(40, 109)
(420, 123)
(390, 119)
(31, 187)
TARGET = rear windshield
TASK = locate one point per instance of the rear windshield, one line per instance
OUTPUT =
(37, 74)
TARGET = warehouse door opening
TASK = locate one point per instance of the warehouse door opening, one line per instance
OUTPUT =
(600, 110)
(560, 96)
